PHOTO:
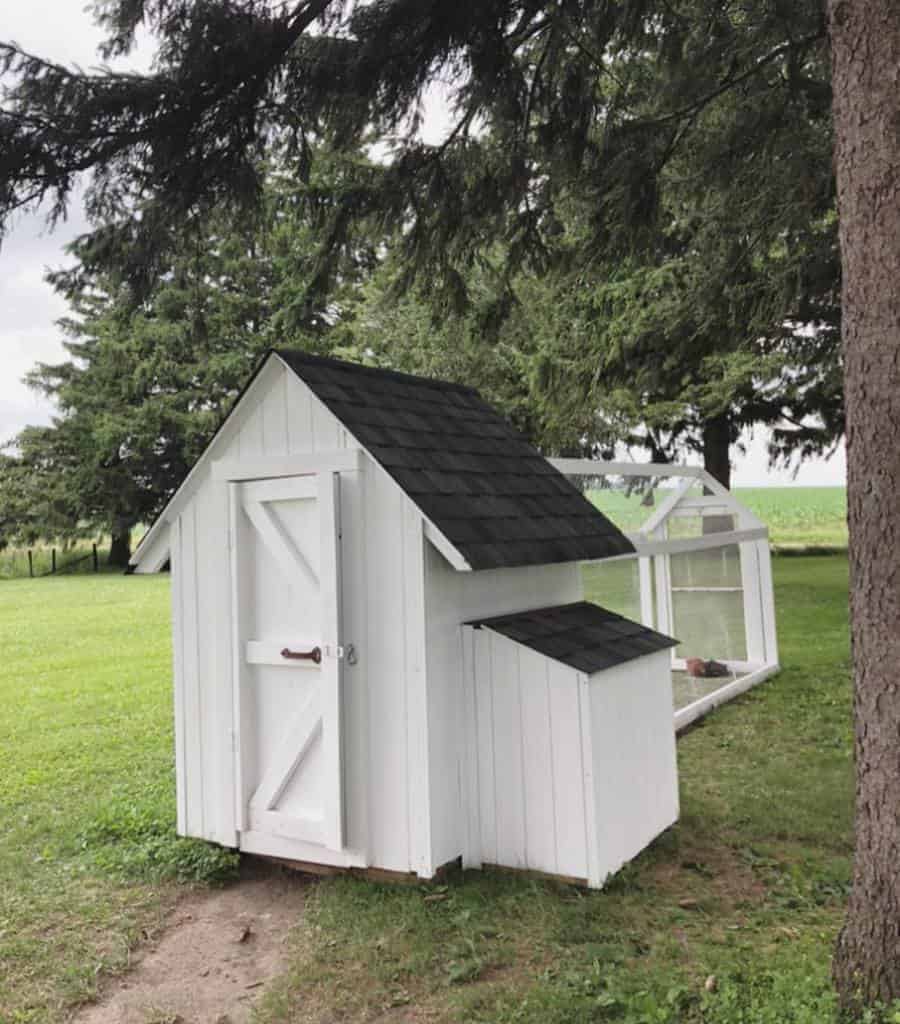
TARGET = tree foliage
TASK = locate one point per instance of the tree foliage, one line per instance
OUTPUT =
(602, 95)
(668, 164)
(145, 384)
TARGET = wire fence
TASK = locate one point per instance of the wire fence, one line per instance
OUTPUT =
(38, 562)
(73, 564)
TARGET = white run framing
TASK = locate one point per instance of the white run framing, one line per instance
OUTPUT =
(654, 546)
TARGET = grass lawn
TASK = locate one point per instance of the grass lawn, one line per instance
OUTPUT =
(86, 790)
(748, 888)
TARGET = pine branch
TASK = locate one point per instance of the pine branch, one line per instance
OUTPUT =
(733, 80)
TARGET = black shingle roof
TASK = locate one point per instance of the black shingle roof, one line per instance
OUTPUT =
(581, 635)
(492, 495)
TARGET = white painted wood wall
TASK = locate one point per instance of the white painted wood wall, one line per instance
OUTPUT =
(407, 745)
(452, 598)
(386, 769)
(566, 773)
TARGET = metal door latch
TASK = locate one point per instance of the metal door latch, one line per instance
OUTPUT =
(342, 653)
(314, 655)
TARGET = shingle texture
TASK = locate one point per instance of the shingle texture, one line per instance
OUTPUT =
(492, 495)
(581, 635)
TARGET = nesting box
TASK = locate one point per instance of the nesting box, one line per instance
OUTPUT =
(382, 658)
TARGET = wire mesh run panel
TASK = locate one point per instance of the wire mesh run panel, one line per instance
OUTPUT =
(701, 573)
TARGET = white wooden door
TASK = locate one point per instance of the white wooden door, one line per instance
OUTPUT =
(288, 657)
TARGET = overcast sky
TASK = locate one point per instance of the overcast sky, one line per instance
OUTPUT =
(63, 31)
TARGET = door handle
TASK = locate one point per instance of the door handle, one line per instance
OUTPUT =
(314, 655)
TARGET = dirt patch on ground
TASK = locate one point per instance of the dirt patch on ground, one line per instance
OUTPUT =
(703, 873)
(213, 958)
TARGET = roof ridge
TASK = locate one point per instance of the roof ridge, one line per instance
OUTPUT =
(300, 355)
(485, 620)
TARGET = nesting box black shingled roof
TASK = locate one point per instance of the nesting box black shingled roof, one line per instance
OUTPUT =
(491, 493)
(581, 635)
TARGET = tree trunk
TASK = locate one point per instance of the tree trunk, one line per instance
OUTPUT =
(866, 66)
(716, 462)
(716, 446)
(120, 547)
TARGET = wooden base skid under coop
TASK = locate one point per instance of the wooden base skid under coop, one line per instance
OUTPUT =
(379, 875)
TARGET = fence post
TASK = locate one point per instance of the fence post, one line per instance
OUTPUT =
(53, 560)
(30, 564)
(96, 560)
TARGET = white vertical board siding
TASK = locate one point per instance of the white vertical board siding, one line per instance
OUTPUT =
(213, 599)
(569, 805)
(528, 758)
(179, 703)
(447, 751)
(201, 608)
(635, 779)
(468, 734)
(509, 782)
(250, 438)
(297, 400)
(451, 598)
(575, 775)
(354, 601)
(244, 728)
(278, 415)
(188, 667)
(595, 876)
(484, 768)
(539, 789)
(419, 733)
(383, 659)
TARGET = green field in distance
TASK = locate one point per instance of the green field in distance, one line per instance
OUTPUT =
(797, 517)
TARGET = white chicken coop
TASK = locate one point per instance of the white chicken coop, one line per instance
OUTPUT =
(383, 656)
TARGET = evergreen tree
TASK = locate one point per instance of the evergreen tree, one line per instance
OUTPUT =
(722, 325)
(546, 95)
(145, 384)
(708, 326)
(670, 161)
